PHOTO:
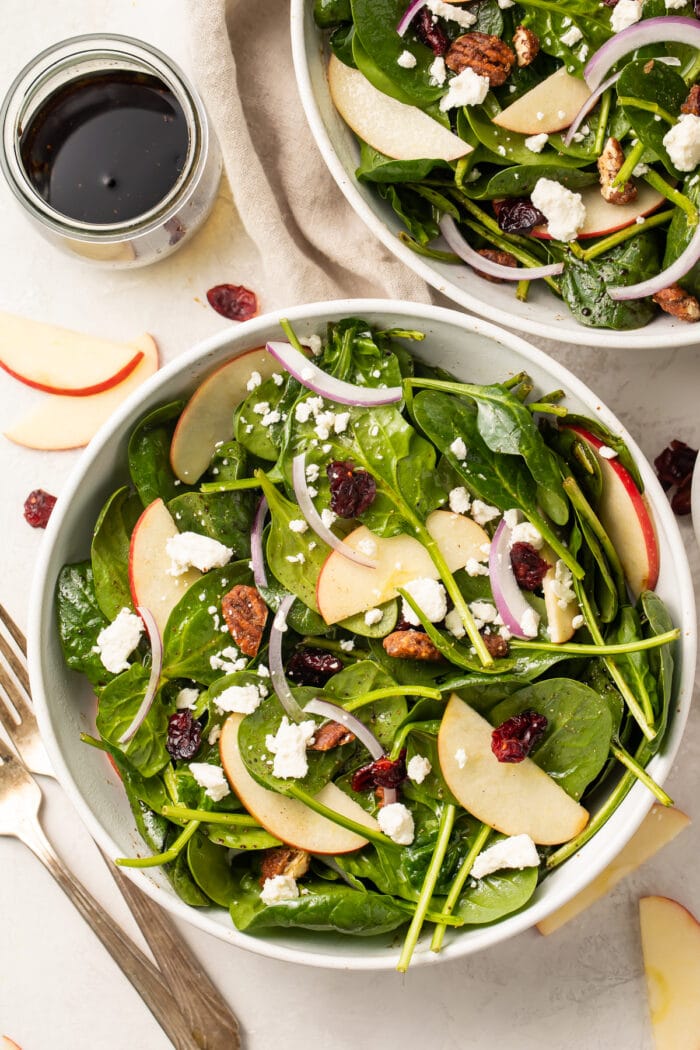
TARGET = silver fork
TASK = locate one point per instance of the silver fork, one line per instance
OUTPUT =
(189, 1008)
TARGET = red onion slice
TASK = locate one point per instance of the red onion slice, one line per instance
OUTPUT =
(314, 378)
(685, 262)
(587, 106)
(365, 735)
(510, 601)
(665, 29)
(156, 667)
(408, 16)
(459, 246)
(307, 508)
(277, 675)
(256, 551)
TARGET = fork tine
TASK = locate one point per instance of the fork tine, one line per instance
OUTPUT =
(18, 667)
(19, 700)
(13, 630)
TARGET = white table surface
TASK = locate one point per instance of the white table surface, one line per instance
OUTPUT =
(582, 989)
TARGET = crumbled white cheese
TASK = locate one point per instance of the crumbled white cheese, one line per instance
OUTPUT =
(347, 644)
(483, 512)
(262, 408)
(459, 500)
(583, 52)
(277, 378)
(461, 757)
(674, 5)
(453, 623)
(298, 525)
(270, 417)
(682, 142)
(563, 209)
(340, 423)
(328, 517)
(431, 598)
(505, 4)
(312, 471)
(451, 12)
(524, 532)
(571, 36)
(280, 621)
(466, 89)
(476, 568)
(243, 699)
(254, 381)
(296, 559)
(512, 517)
(437, 72)
(518, 851)
(214, 734)
(536, 143)
(529, 623)
(228, 660)
(406, 60)
(186, 699)
(397, 822)
(367, 546)
(118, 640)
(191, 549)
(315, 344)
(483, 612)
(606, 452)
(373, 616)
(288, 745)
(562, 585)
(625, 14)
(639, 170)
(578, 621)
(279, 888)
(418, 768)
(212, 778)
(458, 448)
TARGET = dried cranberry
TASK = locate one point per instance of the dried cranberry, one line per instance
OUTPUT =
(384, 773)
(233, 301)
(37, 508)
(429, 32)
(680, 500)
(517, 215)
(352, 491)
(184, 735)
(674, 467)
(313, 666)
(527, 565)
(515, 738)
(496, 645)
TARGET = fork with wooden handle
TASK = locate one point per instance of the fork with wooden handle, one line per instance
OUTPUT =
(187, 1005)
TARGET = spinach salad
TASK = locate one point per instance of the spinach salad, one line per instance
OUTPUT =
(393, 661)
(570, 141)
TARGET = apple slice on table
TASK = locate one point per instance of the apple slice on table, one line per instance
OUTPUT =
(602, 217)
(625, 517)
(8, 1044)
(207, 418)
(286, 818)
(387, 125)
(345, 588)
(659, 827)
(548, 107)
(62, 422)
(150, 583)
(671, 948)
(60, 361)
(514, 798)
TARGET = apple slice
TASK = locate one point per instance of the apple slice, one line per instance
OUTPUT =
(560, 621)
(658, 828)
(625, 516)
(149, 581)
(207, 418)
(548, 107)
(603, 217)
(513, 798)
(8, 1044)
(345, 588)
(61, 422)
(671, 949)
(286, 818)
(60, 361)
(387, 125)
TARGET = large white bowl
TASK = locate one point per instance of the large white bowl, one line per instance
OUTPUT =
(543, 314)
(476, 351)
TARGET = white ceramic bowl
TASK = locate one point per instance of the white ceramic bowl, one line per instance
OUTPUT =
(543, 314)
(467, 346)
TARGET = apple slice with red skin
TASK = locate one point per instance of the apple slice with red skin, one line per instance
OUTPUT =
(60, 361)
(514, 798)
(671, 949)
(603, 218)
(63, 422)
(556, 100)
(150, 583)
(287, 819)
(207, 418)
(8, 1044)
(625, 516)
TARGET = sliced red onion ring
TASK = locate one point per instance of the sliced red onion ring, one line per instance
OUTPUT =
(587, 106)
(685, 262)
(256, 551)
(510, 601)
(338, 714)
(408, 16)
(307, 508)
(458, 245)
(314, 378)
(277, 675)
(665, 29)
(156, 667)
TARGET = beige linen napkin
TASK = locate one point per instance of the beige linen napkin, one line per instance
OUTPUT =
(312, 244)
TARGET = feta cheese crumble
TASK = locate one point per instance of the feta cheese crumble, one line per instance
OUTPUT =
(562, 585)
(461, 757)
(459, 500)
(437, 72)
(466, 89)
(186, 699)
(279, 888)
(212, 778)
(571, 36)
(118, 640)
(682, 142)
(431, 598)
(524, 532)
(483, 512)
(243, 699)
(675, 5)
(288, 745)
(254, 381)
(517, 851)
(397, 822)
(451, 13)
(578, 621)
(529, 623)
(625, 14)
(192, 550)
(373, 616)
(328, 517)
(453, 623)
(536, 143)
(418, 768)
(406, 60)
(476, 568)
(606, 452)
(458, 448)
(564, 210)
(298, 525)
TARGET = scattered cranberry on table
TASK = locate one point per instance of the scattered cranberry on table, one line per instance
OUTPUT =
(674, 469)
(37, 508)
(233, 301)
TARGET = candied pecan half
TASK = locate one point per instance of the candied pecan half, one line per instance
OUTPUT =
(527, 46)
(284, 860)
(692, 102)
(609, 163)
(502, 258)
(496, 646)
(330, 735)
(410, 645)
(487, 55)
(676, 301)
(245, 614)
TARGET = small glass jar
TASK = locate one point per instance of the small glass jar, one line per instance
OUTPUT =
(146, 237)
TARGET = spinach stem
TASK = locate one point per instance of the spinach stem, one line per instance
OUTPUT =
(601, 131)
(522, 291)
(653, 179)
(403, 734)
(450, 650)
(348, 823)
(516, 380)
(161, 858)
(234, 485)
(430, 916)
(426, 251)
(206, 816)
(631, 161)
(693, 71)
(640, 773)
(626, 234)
(99, 745)
(291, 335)
(389, 691)
(458, 882)
(647, 106)
(587, 514)
(447, 819)
(583, 649)
(548, 408)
